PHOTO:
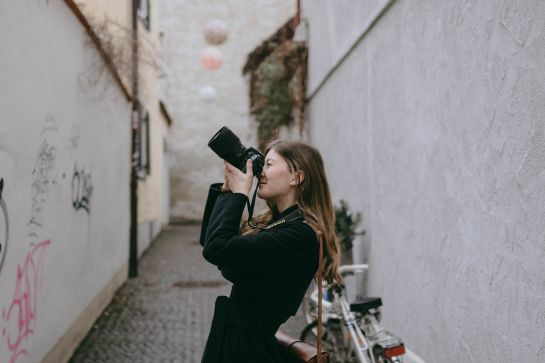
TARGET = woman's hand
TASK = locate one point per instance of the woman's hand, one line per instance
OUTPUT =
(225, 186)
(235, 180)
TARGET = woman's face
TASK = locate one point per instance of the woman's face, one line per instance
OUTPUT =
(275, 180)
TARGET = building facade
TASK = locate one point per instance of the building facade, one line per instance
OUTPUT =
(194, 166)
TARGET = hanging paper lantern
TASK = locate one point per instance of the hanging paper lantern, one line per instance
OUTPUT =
(208, 94)
(215, 32)
(211, 58)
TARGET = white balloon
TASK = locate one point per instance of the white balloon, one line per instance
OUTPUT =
(208, 94)
(215, 31)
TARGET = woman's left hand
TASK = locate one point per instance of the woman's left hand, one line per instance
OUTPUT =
(236, 180)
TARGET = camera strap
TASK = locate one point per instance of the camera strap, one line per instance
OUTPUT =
(251, 206)
(296, 214)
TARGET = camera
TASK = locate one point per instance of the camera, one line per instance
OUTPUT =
(227, 146)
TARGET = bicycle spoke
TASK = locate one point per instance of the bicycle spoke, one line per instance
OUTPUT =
(332, 341)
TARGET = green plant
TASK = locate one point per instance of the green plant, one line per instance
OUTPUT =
(273, 107)
(346, 224)
(278, 71)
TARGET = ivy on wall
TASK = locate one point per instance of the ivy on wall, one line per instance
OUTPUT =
(278, 70)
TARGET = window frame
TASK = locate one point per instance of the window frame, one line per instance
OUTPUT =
(143, 143)
(144, 13)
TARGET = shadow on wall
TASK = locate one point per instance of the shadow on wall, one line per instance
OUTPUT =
(4, 226)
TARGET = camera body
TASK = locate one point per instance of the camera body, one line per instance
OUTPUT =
(227, 146)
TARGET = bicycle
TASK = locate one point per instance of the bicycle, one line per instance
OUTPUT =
(351, 331)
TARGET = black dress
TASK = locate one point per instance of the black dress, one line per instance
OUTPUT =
(270, 272)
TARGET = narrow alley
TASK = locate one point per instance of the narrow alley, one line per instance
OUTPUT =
(164, 314)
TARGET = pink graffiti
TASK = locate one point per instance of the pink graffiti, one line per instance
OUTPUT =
(20, 316)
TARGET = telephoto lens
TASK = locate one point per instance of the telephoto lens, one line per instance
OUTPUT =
(227, 146)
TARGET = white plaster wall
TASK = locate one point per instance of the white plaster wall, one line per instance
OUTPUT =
(53, 121)
(193, 164)
(335, 26)
(433, 127)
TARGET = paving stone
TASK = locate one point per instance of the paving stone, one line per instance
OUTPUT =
(163, 315)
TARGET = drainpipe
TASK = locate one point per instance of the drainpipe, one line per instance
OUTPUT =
(135, 116)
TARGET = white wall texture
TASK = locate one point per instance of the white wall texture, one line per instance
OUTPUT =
(193, 164)
(433, 128)
(56, 123)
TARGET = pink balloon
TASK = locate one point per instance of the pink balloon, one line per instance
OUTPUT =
(211, 58)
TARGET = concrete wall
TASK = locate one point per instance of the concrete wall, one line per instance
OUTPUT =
(432, 126)
(194, 165)
(64, 159)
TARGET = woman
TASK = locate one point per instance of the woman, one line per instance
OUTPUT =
(270, 268)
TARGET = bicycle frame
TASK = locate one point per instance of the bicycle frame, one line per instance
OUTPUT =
(359, 341)
(344, 270)
(364, 339)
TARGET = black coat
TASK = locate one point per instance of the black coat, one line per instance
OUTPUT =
(270, 272)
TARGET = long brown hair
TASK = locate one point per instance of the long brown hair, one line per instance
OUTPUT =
(313, 199)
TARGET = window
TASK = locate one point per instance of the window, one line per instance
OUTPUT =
(143, 144)
(144, 12)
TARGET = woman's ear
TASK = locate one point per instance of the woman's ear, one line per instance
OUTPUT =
(298, 178)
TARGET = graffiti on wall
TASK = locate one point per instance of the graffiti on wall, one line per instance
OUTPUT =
(19, 311)
(43, 179)
(4, 226)
(82, 189)
(20, 316)
(74, 137)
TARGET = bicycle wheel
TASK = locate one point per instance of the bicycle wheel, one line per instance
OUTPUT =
(309, 308)
(333, 341)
